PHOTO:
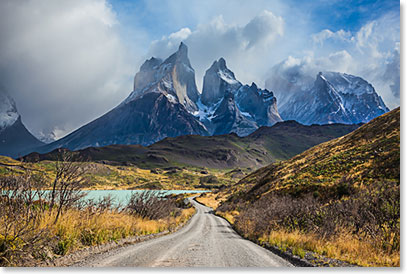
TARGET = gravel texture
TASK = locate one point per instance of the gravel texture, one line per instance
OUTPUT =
(206, 241)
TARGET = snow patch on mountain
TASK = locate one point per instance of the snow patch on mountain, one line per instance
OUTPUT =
(333, 98)
(204, 112)
(8, 111)
(228, 78)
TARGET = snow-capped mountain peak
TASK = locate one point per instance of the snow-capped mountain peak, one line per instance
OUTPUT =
(8, 111)
(218, 80)
(173, 76)
(15, 139)
(333, 98)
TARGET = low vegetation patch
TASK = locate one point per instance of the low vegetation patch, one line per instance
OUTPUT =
(340, 199)
(38, 225)
(361, 228)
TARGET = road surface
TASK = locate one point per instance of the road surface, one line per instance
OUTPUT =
(206, 241)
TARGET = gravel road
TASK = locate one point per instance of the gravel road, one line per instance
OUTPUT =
(206, 241)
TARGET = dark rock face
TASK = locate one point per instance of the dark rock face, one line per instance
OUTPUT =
(174, 76)
(228, 118)
(259, 103)
(228, 106)
(149, 118)
(218, 80)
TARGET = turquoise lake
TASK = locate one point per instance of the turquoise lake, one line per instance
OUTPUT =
(122, 196)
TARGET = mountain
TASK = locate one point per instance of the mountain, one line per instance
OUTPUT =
(228, 118)
(332, 97)
(165, 102)
(174, 77)
(265, 145)
(15, 139)
(341, 193)
(160, 106)
(226, 105)
(218, 80)
(364, 156)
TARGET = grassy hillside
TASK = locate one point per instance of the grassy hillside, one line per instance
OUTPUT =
(105, 176)
(340, 198)
(264, 146)
(368, 154)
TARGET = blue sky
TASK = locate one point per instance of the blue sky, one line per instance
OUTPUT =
(143, 22)
(90, 50)
(158, 18)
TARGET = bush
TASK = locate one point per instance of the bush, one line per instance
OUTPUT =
(372, 213)
(148, 204)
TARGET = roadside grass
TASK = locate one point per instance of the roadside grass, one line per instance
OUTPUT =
(81, 228)
(75, 229)
(346, 246)
(339, 199)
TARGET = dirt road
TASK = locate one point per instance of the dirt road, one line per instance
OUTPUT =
(206, 241)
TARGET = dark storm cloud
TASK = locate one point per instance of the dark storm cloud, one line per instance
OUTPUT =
(61, 61)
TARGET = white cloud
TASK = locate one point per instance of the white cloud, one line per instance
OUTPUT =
(326, 34)
(243, 47)
(263, 28)
(371, 52)
(63, 62)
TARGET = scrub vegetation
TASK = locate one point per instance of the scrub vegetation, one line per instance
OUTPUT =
(340, 199)
(38, 225)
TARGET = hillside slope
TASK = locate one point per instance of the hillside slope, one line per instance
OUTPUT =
(264, 146)
(370, 153)
(339, 199)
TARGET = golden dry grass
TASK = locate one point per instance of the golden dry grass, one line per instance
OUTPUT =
(346, 247)
(78, 228)
(209, 199)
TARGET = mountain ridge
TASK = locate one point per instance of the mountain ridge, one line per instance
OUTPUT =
(265, 145)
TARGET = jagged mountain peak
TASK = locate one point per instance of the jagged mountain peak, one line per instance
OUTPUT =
(15, 139)
(150, 64)
(334, 97)
(180, 56)
(218, 80)
(174, 77)
(321, 82)
(253, 85)
(8, 110)
(218, 65)
(182, 50)
(349, 84)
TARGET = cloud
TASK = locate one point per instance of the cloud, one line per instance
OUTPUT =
(371, 52)
(62, 62)
(326, 34)
(243, 46)
(392, 73)
(263, 28)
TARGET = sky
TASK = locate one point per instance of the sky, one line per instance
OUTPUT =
(66, 63)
